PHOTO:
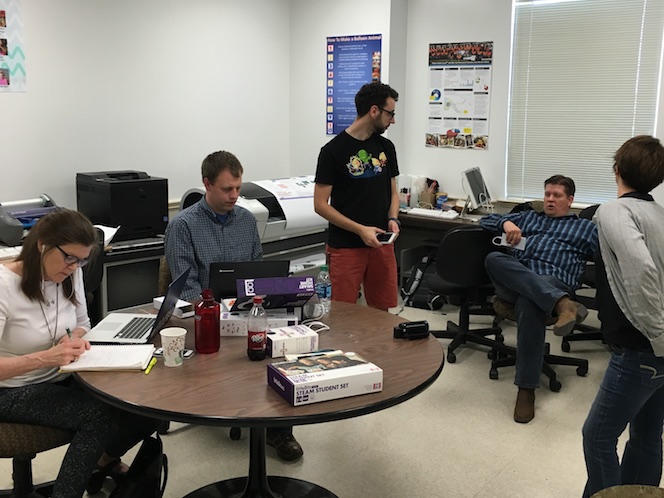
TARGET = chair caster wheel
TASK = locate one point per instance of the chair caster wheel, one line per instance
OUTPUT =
(500, 338)
(555, 386)
(163, 428)
(451, 357)
(493, 374)
(235, 433)
(565, 346)
(582, 370)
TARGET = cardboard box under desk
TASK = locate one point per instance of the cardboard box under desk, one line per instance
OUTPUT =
(302, 384)
(235, 323)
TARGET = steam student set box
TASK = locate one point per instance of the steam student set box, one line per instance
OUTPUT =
(322, 377)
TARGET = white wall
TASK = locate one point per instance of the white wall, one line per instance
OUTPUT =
(152, 86)
(156, 85)
(311, 22)
(448, 21)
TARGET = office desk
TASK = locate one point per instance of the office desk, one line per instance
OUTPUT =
(227, 389)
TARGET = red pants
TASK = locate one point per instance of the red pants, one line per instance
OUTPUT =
(376, 269)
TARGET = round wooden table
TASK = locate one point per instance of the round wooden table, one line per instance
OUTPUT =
(227, 389)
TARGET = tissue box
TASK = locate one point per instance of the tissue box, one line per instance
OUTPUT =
(183, 309)
(235, 323)
(291, 340)
(311, 379)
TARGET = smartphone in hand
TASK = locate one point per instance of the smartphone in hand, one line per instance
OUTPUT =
(386, 238)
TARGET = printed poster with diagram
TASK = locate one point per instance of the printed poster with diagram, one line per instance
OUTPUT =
(459, 95)
(12, 57)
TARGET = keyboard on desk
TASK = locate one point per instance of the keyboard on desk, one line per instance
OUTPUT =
(434, 213)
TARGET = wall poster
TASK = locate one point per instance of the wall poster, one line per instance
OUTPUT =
(12, 58)
(351, 62)
(459, 95)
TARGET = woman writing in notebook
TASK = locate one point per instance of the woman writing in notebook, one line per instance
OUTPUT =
(43, 319)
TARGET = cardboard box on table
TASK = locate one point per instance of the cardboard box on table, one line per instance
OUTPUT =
(315, 378)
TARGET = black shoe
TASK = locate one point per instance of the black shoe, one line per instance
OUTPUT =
(96, 481)
(286, 445)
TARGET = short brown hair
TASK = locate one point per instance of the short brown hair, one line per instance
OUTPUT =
(220, 161)
(565, 181)
(640, 163)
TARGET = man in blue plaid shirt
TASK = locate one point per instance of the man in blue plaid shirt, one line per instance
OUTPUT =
(535, 285)
(215, 230)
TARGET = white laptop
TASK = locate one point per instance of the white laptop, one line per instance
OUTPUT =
(137, 328)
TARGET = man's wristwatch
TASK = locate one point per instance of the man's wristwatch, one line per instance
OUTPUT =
(396, 220)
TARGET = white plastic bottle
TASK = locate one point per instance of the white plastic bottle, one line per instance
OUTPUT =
(324, 288)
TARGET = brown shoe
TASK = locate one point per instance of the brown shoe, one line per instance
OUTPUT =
(569, 314)
(524, 410)
(506, 310)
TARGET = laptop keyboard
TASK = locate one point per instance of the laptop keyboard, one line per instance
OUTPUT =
(137, 327)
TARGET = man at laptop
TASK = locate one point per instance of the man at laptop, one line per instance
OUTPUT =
(215, 230)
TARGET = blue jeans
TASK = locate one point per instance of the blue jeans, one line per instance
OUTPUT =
(631, 393)
(534, 298)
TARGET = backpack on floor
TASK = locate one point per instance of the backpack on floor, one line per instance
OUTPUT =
(147, 474)
(416, 292)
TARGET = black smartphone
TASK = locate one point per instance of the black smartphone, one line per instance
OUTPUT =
(386, 238)
(187, 353)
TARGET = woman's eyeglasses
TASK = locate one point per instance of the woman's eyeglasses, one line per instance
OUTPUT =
(70, 260)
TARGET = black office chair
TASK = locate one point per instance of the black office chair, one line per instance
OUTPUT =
(586, 296)
(92, 276)
(190, 197)
(462, 280)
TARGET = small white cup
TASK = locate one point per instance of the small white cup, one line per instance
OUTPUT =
(172, 341)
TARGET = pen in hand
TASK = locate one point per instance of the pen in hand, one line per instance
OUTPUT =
(69, 333)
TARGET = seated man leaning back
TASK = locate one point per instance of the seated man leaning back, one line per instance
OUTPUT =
(216, 230)
(535, 285)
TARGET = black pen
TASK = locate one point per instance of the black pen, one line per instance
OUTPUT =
(68, 333)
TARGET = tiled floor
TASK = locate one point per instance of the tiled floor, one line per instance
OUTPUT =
(457, 439)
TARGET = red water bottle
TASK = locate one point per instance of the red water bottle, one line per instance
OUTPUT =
(207, 324)
(257, 331)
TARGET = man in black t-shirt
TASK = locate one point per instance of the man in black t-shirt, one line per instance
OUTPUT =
(356, 173)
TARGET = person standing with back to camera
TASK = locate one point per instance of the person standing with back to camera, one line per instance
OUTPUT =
(356, 173)
(42, 301)
(630, 298)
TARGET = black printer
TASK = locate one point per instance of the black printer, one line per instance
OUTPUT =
(134, 200)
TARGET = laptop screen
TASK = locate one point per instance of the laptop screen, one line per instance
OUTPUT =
(170, 300)
(223, 276)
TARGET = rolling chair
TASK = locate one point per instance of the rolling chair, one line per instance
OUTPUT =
(190, 197)
(582, 331)
(21, 443)
(462, 279)
(92, 276)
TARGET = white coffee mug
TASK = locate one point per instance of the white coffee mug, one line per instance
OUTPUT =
(172, 341)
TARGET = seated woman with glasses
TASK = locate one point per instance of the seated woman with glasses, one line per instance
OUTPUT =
(43, 320)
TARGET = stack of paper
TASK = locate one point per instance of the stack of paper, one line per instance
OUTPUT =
(112, 357)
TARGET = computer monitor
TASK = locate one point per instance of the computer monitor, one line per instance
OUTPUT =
(478, 194)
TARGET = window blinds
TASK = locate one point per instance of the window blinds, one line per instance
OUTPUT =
(585, 78)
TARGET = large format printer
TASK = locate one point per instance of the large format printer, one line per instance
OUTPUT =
(285, 217)
(284, 210)
(17, 216)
